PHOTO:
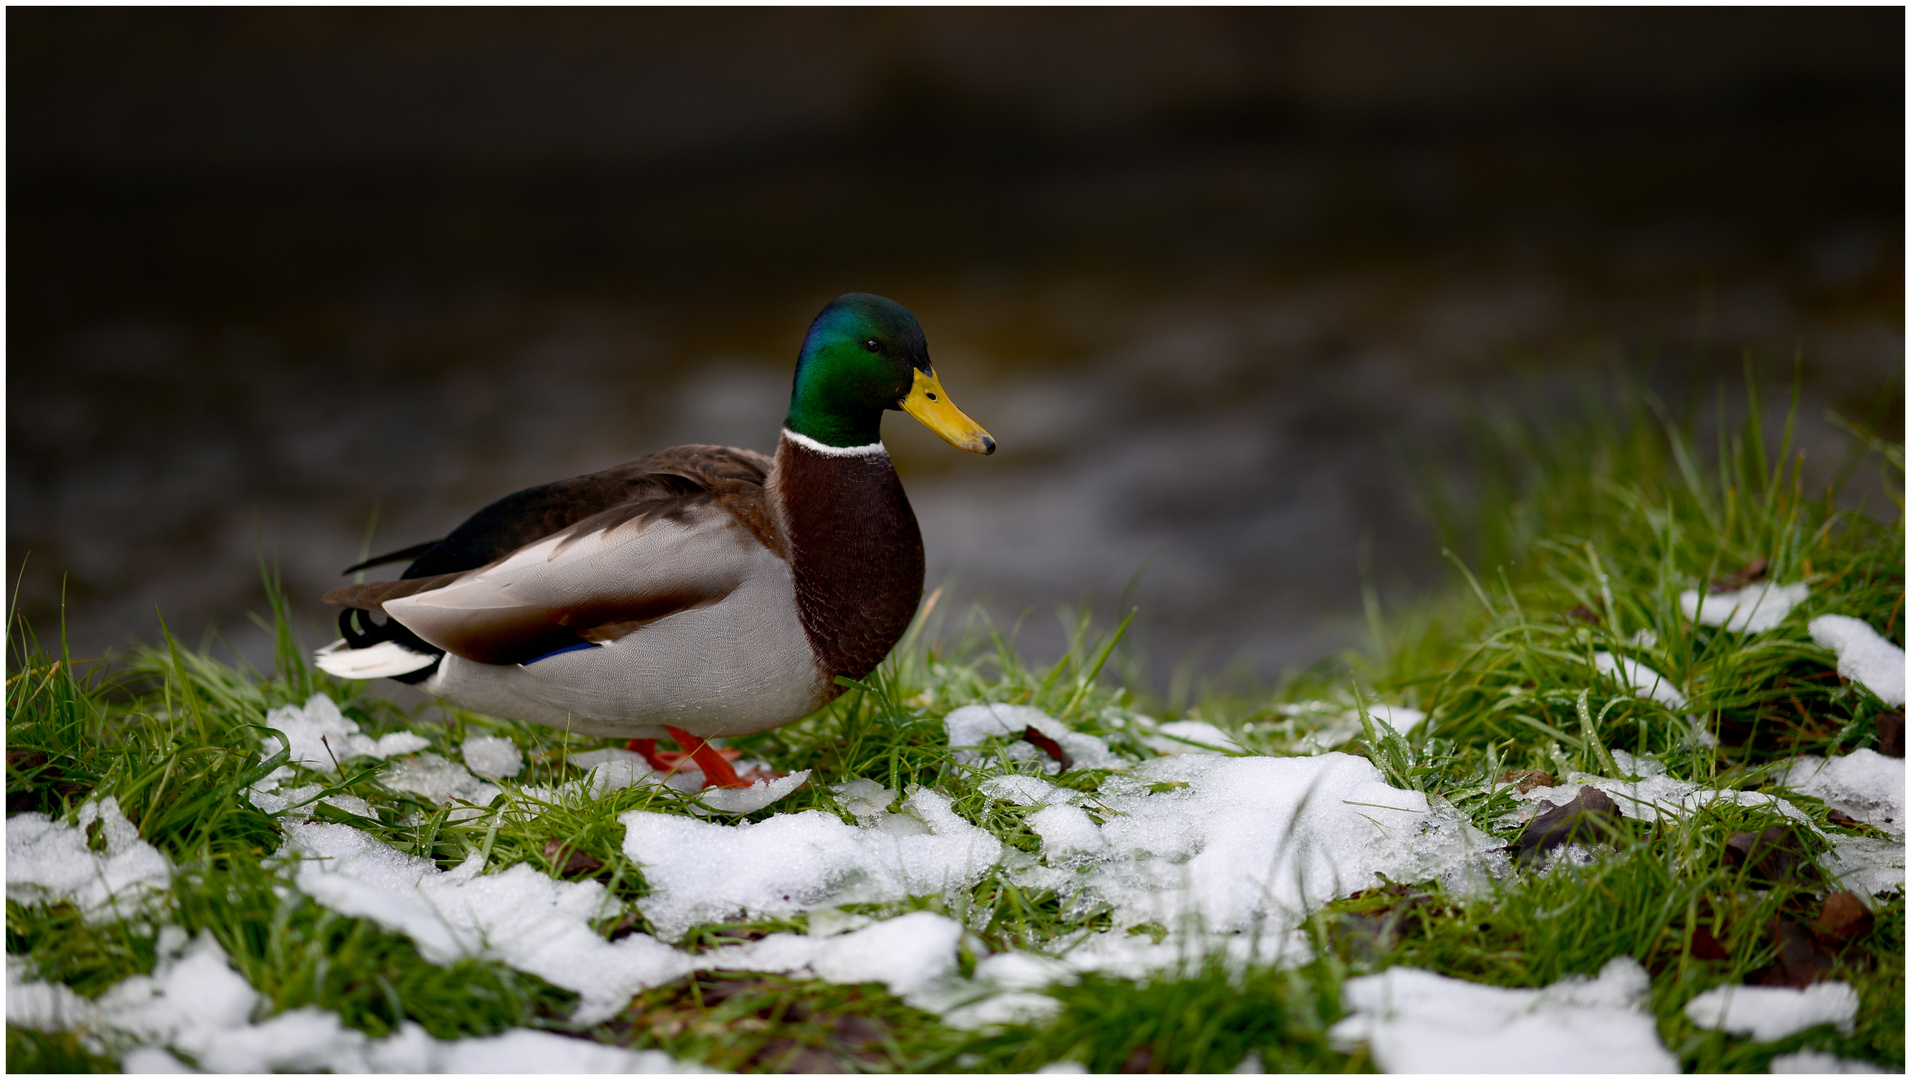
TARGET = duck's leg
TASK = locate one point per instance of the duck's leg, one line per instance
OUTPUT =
(716, 769)
(648, 748)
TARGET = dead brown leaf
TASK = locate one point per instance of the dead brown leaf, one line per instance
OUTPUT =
(1592, 816)
(1843, 919)
(1527, 779)
(1891, 734)
(1048, 746)
(1741, 577)
(576, 862)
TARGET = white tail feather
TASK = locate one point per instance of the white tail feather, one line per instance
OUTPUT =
(380, 661)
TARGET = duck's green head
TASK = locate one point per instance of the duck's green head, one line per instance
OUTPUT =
(866, 354)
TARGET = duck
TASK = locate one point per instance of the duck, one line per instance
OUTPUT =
(696, 593)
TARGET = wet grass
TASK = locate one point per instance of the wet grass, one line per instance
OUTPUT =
(1582, 544)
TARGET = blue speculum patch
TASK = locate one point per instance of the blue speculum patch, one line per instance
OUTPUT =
(558, 652)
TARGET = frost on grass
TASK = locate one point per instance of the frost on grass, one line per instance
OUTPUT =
(99, 864)
(1417, 1021)
(518, 916)
(1770, 1013)
(195, 1006)
(972, 725)
(1864, 784)
(702, 872)
(1751, 610)
(324, 738)
(1863, 656)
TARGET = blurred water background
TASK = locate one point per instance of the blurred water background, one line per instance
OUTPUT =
(1218, 281)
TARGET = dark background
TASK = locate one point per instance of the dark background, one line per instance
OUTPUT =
(1213, 278)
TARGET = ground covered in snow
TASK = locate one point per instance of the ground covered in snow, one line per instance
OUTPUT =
(1654, 828)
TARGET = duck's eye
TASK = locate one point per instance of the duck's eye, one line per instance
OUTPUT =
(872, 345)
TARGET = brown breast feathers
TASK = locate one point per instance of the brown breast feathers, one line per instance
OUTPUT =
(856, 553)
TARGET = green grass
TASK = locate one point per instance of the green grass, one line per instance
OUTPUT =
(1580, 540)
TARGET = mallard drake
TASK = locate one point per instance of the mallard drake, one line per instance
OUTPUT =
(698, 592)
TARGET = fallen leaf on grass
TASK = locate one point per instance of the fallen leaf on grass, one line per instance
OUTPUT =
(1891, 734)
(1591, 816)
(1707, 947)
(1527, 779)
(1801, 961)
(576, 862)
(1740, 578)
(1843, 919)
(1773, 856)
(1048, 746)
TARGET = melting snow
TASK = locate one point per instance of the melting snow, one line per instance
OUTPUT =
(700, 871)
(971, 724)
(1242, 844)
(1753, 609)
(1416, 1021)
(864, 799)
(1863, 656)
(1864, 783)
(1811, 1061)
(1191, 737)
(519, 916)
(908, 954)
(753, 798)
(195, 1004)
(1866, 865)
(1769, 1013)
(439, 780)
(1655, 796)
(324, 738)
(49, 860)
(1640, 679)
(493, 756)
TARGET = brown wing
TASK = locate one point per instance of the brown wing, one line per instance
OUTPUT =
(732, 474)
(519, 604)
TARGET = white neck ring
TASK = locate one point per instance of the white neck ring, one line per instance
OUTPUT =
(826, 450)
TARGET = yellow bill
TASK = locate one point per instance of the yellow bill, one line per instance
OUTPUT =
(928, 403)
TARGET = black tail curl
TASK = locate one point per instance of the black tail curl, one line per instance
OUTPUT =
(360, 632)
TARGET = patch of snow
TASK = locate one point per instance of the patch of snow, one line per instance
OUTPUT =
(1770, 1013)
(1864, 783)
(1863, 656)
(1654, 797)
(324, 738)
(493, 757)
(44, 1006)
(1022, 790)
(1866, 865)
(1416, 1021)
(700, 871)
(1398, 717)
(266, 796)
(863, 798)
(1191, 737)
(1062, 1068)
(195, 1004)
(1812, 1061)
(971, 724)
(49, 860)
(1642, 767)
(442, 781)
(1067, 832)
(1751, 610)
(518, 916)
(1232, 844)
(908, 954)
(1640, 679)
(753, 798)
